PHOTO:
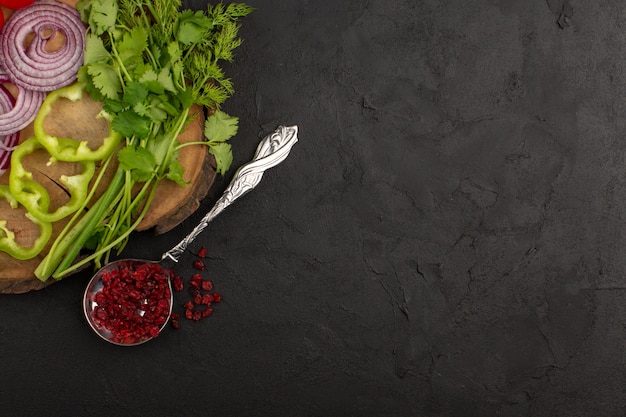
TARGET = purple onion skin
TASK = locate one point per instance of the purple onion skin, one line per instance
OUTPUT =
(34, 68)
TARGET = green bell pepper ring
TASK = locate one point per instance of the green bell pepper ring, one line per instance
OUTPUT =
(74, 150)
(34, 196)
(7, 237)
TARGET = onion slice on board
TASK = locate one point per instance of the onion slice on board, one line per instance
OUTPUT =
(32, 67)
(8, 142)
(21, 111)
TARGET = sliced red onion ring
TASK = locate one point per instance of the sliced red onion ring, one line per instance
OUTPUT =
(8, 144)
(16, 114)
(35, 68)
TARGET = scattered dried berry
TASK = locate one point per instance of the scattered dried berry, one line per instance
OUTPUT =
(207, 299)
(199, 306)
(177, 283)
(197, 299)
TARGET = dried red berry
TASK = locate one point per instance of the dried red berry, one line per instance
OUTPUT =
(207, 299)
(178, 284)
(217, 297)
(188, 314)
(207, 285)
(197, 299)
(202, 252)
(199, 265)
(188, 305)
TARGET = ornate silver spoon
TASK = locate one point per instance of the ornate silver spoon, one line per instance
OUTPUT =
(272, 150)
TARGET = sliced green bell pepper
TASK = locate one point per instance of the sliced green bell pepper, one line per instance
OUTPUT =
(34, 196)
(7, 237)
(73, 150)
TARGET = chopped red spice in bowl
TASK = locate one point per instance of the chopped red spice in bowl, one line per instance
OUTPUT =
(130, 303)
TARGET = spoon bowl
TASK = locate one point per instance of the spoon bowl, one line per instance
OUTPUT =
(118, 318)
(112, 309)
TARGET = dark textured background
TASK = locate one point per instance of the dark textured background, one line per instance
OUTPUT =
(446, 239)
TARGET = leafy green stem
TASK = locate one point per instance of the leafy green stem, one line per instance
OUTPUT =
(113, 243)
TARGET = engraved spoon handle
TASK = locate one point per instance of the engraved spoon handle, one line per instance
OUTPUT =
(272, 150)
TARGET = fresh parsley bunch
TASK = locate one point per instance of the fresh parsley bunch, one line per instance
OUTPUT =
(149, 63)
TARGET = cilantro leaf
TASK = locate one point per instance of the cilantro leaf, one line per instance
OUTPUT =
(105, 79)
(136, 92)
(95, 52)
(133, 43)
(102, 15)
(223, 156)
(219, 127)
(173, 49)
(151, 110)
(113, 106)
(87, 80)
(192, 27)
(139, 161)
(151, 80)
(175, 173)
(185, 98)
(165, 79)
(128, 123)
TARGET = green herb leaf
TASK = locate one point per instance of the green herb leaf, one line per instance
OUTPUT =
(133, 44)
(151, 80)
(113, 106)
(220, 127)
(223, 156)
(165, 79)
(95, 52)
(192, 27)
(105, 79)
(87, 81)
(128, 124)
(103, 14)
(139, 161)
(175, 173)
(136, 92)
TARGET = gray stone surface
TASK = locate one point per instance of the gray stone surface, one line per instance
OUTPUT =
(446, 239)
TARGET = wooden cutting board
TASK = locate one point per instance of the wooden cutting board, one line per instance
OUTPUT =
(171, 205)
